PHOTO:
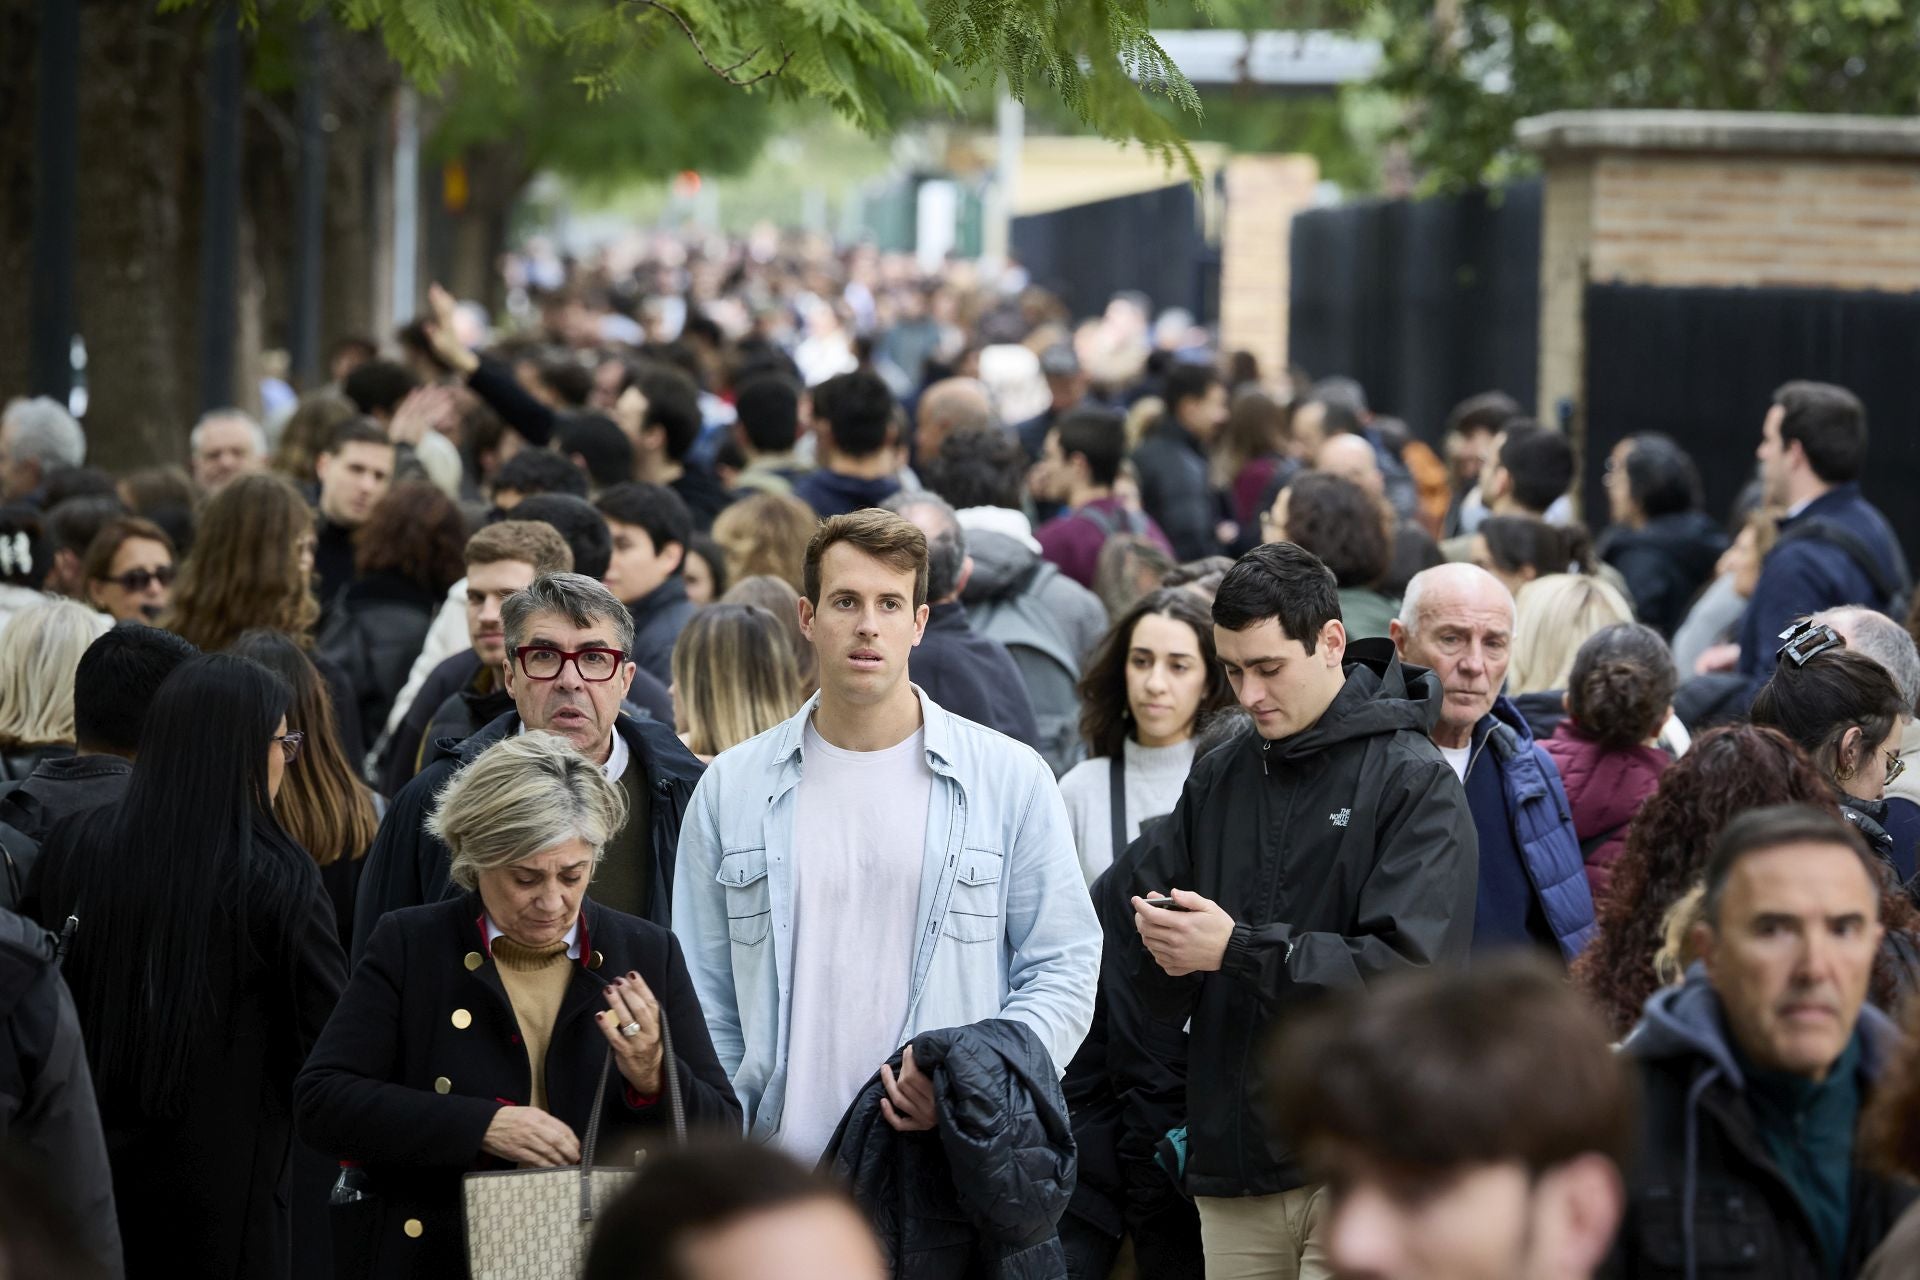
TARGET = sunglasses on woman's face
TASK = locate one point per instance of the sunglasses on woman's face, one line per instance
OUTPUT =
(290, 744)
(137, 580)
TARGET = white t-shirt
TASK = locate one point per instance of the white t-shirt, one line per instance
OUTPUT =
(1458, 758)
(859, 827)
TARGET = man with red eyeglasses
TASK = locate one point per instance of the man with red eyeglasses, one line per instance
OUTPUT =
(568, 641)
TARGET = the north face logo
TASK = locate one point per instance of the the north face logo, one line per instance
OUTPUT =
(1341, 818)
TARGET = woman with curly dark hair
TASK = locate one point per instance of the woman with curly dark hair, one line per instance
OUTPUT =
(406, 555)
(1151, 687)
(1351, 531)
(1728, 772)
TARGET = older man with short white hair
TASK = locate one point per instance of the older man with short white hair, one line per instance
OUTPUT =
(37, 438)
(226, 444)
(1873, 634)
(1458, 621)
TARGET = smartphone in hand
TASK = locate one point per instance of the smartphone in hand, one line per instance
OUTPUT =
(1165, 904)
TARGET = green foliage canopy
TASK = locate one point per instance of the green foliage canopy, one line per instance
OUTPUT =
(876, 62)
(1470, 69)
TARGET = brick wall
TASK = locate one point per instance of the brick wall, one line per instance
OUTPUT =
(1717, 200)
(1263, 194)
(1834, 222)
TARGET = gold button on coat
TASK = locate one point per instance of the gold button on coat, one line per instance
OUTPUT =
(413, 1228)
(473, 961)
(462, 1019)
(598, 960)
(441, 1084)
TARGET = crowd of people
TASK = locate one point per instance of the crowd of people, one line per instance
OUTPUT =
(959, 792)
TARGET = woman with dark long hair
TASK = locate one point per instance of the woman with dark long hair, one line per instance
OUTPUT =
(1150, 688)
(1727, 772)
(1251, 455)
(252, 566)
(1845, 712)
(323, 804)
(203, 967)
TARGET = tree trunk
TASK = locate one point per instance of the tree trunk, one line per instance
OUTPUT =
(19, 40)
(136, 278)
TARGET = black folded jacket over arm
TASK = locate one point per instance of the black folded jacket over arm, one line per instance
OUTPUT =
(982, 1195)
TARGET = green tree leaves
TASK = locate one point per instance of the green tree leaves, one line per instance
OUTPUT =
(876, 62)
(1470, 69)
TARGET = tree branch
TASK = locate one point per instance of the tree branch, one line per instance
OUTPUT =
(725, 73)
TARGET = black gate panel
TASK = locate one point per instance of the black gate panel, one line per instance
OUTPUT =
(1426, 302)
(1701, 365)
(1150, 241)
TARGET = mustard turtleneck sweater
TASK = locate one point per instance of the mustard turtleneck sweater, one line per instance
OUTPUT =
(536, 980)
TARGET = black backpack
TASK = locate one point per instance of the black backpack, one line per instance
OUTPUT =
(1895, 585)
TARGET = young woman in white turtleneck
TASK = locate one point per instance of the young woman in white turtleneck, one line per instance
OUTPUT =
(1150, 686)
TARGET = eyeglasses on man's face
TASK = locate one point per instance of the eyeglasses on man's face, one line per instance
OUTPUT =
(542, 662)
(290, 744)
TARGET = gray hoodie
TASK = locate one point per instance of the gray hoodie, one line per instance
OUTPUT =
(1047, 621)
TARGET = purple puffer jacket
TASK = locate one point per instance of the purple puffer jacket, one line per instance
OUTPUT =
(1605, 786)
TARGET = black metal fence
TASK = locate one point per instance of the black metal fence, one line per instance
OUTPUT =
(1701, 365)
(1426, 302)
(1152, 241)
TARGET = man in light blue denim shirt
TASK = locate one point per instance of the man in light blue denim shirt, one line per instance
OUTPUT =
(874, 868)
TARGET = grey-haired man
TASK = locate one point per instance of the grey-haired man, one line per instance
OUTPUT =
(569, 642)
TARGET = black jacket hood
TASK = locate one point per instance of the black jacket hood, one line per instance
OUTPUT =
(1685, 1021)
(1381, 696)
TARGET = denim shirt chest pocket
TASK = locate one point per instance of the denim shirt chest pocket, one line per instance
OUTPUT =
(743, 874)
(973, 912)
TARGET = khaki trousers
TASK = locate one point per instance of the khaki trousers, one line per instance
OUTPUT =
(1278, 1237)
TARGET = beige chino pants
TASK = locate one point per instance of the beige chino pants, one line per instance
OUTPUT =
(1278, 1237)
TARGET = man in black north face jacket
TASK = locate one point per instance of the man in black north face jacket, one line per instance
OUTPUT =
(1330, 847)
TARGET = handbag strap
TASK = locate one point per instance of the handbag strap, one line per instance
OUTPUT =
(1117, 803)
(676, 1112)
(676, 1106)
(593, 1137)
